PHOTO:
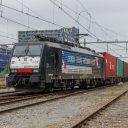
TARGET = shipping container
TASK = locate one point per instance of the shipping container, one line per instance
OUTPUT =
(110, 63)
(125, 69)
(119, 68)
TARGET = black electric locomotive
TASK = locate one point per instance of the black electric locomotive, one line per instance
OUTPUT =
(50, 64)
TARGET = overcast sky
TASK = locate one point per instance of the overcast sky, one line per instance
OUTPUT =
(112, 14)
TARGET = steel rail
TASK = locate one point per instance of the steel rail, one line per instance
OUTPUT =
(49, 100)
(79, 124)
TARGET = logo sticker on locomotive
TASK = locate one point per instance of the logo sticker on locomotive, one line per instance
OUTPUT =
(25, 62)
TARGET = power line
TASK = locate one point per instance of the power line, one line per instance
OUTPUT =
(35, 16)
(78, 13)
(39, 18)
(94, 36)
(7, 33)
(100, 26)
(83, 6)
(76, 20)
(86, 12)
(98, 47)
(1, 9)
(8, 37)
(109, 42)
(114, 51)
(28, 14)
(13, 21)
(112, 43)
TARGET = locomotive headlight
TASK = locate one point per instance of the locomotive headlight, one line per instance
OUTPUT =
(35, 70)
(13, 70)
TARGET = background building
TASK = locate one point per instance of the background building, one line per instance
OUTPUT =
(4, 57)
(63, 34)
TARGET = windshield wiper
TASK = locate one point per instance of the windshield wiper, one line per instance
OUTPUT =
(26, 50)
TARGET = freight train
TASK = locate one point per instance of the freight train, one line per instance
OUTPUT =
(49, 64)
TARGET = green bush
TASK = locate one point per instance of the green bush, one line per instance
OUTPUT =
(5, 71)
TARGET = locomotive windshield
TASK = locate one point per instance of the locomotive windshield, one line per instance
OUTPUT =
(27, 50)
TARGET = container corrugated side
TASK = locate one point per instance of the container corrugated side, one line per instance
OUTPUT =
(119, 68)
(125, 69)
(110, 62)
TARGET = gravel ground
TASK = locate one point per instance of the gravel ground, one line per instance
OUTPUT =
(7, 90)
(114, 116)
(61, 113)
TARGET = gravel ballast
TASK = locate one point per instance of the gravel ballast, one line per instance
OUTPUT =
(62, 113)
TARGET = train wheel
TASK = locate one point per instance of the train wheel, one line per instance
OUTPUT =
(63, 86)
(51, 88)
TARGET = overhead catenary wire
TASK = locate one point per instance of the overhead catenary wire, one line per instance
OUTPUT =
(110, 49)
(93, 21)
(28, 14)
(86, 12)
(99, 47)
(76, 21)
(27, 26)
(61, 7)
(16, 22)
(5, 33)
(47, 20)
(34, 12)
(100, 26)
(75, 12)
(8, 37)
(94, 36)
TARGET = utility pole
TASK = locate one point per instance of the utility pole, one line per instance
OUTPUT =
(1, 8)
(126, 47)
(84, 43)
(111, 42)
(107, 48)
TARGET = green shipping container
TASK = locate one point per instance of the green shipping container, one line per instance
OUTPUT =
(119, 68)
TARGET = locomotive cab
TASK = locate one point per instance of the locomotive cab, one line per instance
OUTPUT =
(25, 69)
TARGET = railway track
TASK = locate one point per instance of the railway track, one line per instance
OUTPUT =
(13, 99)
(12, 103)
(7, 93)
(20, 92)
(23, 102)
(102, 119)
